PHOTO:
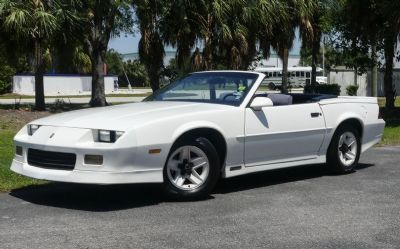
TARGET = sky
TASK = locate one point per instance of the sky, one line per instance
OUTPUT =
(125, 44)
(129, 44)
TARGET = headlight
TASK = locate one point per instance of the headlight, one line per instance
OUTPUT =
(109, 136)
(32, 128)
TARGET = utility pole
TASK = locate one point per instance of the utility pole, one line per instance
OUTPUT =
(323, 55)
(374, 73)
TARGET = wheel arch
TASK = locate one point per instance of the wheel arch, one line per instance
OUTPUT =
(353, 121)
(212, 133)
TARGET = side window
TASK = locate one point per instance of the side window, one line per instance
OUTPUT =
(308, 74)
(232, 87)
(302, 74)
(274, 74)
(297, 74)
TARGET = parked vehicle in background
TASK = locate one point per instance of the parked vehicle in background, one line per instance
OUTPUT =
(298, 76)
(190, 133)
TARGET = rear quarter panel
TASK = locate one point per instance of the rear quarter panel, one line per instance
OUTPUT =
(365, 110)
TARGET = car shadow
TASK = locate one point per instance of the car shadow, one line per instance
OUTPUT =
(105, 198)
(275, 177)
(95, 198)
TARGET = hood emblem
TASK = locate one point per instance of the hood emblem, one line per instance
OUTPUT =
(52, 135)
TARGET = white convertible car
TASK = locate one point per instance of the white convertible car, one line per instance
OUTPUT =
(189, 134)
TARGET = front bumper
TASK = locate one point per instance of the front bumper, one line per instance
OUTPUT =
(124, 161)
(87, 176)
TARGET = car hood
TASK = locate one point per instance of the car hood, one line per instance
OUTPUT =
(127, 116)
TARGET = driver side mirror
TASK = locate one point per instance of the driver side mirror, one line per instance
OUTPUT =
(259, 102)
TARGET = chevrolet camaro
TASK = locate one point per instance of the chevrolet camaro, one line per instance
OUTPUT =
(191, 133)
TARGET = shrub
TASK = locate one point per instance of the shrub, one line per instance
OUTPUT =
(352, 90)
(136, 73)
(323, 89)
(6, 74)
(59, 105)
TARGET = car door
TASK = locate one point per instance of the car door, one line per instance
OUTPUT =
(283, 133)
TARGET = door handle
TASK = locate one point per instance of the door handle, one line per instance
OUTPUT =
(316, 114)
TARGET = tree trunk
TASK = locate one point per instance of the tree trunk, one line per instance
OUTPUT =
(285, 62)
(314, 58)
(389, 44)
(39, 72)
(251, 53)
(207, 53)
(154, 76)
(207, 50)
(355, 76)
(98, 94)
(374, 73)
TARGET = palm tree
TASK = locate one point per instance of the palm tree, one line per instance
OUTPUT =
(67, 46)
(209, 18)
(312, 25)
(297, 12)
(233, 33)
(34, 22)
(186, 24)
(179, 29)
(103, 18)
(151, 47)
(260, 19)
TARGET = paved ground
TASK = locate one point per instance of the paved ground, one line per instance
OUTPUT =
(293, 208)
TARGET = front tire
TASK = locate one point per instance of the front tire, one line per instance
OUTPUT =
(192, 169)
(344, 150)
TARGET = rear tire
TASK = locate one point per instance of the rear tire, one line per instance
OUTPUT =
(344, 151)
(192, 169)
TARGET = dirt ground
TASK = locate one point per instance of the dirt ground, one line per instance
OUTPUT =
(15, 119)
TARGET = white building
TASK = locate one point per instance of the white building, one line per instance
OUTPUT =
(59, 85)
(345, 77)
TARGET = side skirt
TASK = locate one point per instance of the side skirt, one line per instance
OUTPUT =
(236, 170)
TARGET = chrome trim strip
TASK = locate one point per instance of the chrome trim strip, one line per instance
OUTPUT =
(285, 133)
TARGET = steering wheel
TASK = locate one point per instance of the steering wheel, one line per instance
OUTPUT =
(229, 94)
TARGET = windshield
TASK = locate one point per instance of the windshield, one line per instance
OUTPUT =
(214, 87)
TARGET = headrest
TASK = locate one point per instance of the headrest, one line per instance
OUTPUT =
(280, 99)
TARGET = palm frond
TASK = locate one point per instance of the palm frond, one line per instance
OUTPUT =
(46, 23)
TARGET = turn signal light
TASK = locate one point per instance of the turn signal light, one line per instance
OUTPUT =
(94, 159)
(18, 150)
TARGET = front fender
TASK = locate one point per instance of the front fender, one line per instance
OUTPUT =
(195, 125)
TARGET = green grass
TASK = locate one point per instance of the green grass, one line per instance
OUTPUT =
(8, 179)
(382, 102)
(391, 135)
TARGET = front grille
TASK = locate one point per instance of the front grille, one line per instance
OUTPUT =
(51, 160)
